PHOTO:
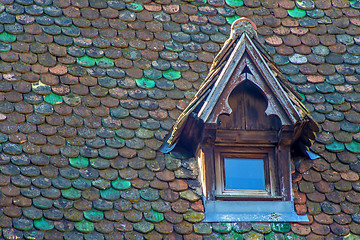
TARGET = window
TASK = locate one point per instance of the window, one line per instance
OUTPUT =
(246, 172)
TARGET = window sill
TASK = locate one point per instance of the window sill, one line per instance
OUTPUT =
(252, 211)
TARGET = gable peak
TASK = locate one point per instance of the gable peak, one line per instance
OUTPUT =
(243, 25)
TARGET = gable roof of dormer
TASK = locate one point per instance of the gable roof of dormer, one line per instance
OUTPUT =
(243, 50)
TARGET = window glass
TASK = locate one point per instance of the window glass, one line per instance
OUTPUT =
(244, 174)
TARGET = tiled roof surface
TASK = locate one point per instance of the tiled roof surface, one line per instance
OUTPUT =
(89, 89)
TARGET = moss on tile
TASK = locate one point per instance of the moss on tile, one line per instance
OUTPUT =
(171, 74)
(297, 12)
(86, 61)
(231, 19)
(121, 184)
(79, 162)
(7, 37)
(53, 98)
(235, 3)
(145, 83)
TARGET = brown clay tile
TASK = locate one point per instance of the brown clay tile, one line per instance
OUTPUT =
(308, 69)
(33, 28)
(10, 190)
(289, 22)
(284, 50)
(153, 7)
(327, 40)
(353, 30)
(144, 16)
(61, 89)
(351, 13)
(22, 201)
(310, 40)
(271, 21)
(322, 4)
(333, 12)
(79, 89)
(320, 229)
(109, 13)
(301, 209)
(81, 22)
(183, 227)
(286, 4)
(89, 32)
(67, 60)
(127, 152)
(44, 38)
(282, 31)
(180, 18)
(302, 49)
(100, 23)
(279, 13)
(9, 56)
(58, 70)
(299, 229)
(316, 79)
(339, 230)
(137, 25)
(291, 40)
(326, 69)
(72, 12)
(117, 24)
(188, 9)
(80, 3)
(323, 218)
(335, 196)
(22, 47)
(342, 22)
(354, 228)
(17, 137)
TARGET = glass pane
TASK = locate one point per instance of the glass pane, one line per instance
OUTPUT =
(244, 174)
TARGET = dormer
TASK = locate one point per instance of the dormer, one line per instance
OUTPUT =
(243, 125)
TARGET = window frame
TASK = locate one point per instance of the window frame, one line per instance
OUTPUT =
(267, 153)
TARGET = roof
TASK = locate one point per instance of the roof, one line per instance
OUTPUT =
(89, 89)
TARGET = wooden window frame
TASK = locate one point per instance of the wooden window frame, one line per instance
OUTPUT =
(267, 153)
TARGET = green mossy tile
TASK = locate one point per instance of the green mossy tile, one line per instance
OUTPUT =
(136, 7)
(297, 12)
(281, 227)
(121, 184)
(335, 147)
(110, 194)
(84, 226)
(355, 4)
(235, 3)
(222, 227)
(235, 236)
(154, 216)
(143, 226)
(145, 83)
(94, 215)
(79, 162)
(53, 98)
(353, 147)
(43, 224)
(104, 62)
(171, 74)
(194, 217)
(231, 19)
(71, 193)
(7, 37)
(86, 61)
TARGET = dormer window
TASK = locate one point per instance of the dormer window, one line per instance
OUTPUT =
(243, 125)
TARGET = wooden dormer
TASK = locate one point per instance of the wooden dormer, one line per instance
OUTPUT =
(244, 117)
